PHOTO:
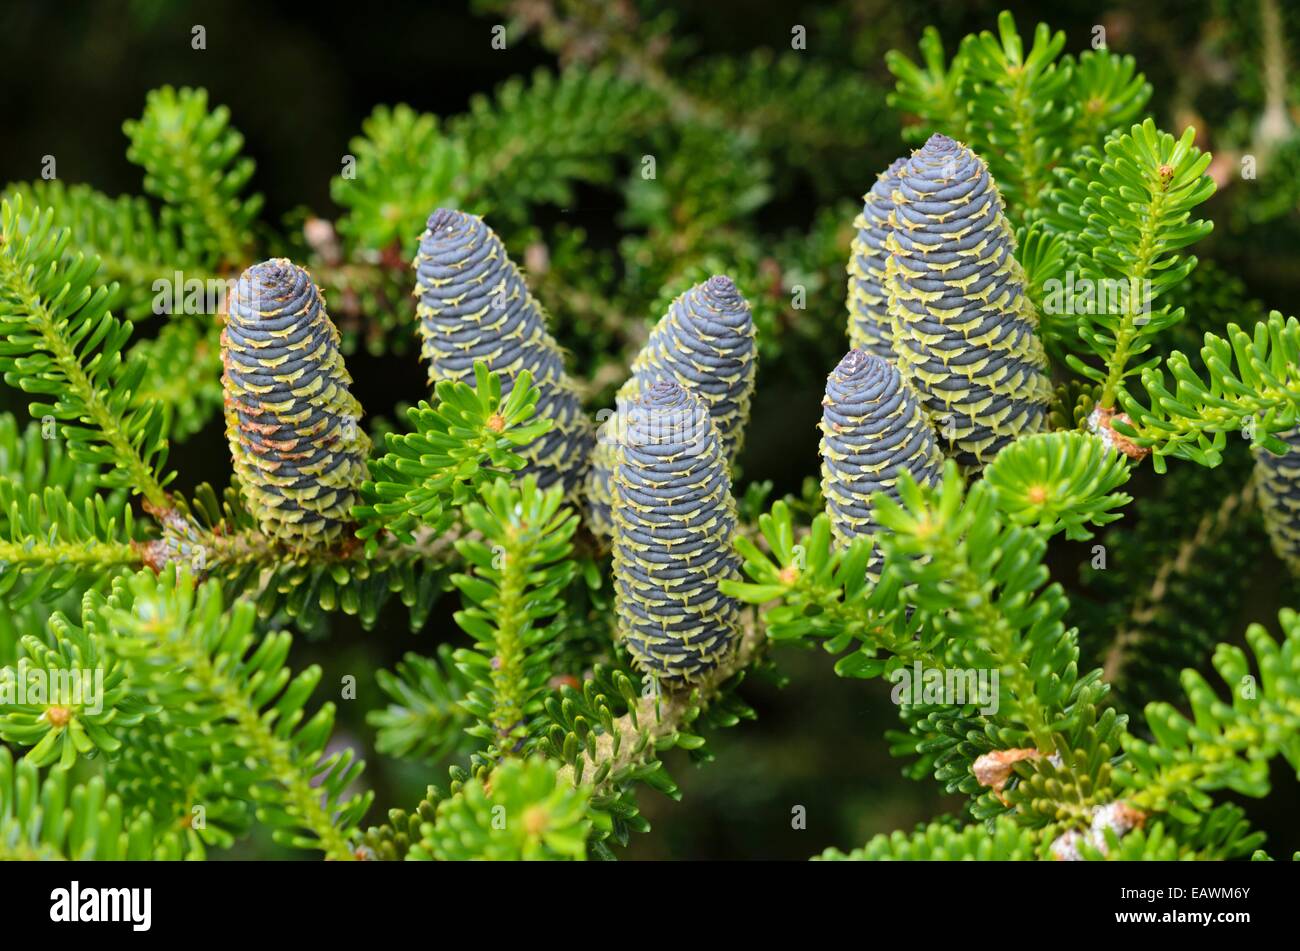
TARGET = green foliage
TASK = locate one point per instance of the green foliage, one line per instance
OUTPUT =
(519, 568)
(542, 135)
(1015, 104)
(468, 438)
(48, 555)
(61, 343)
(1220, 835)
(192, 694)
(1059, 482)
(66, 696)
(1123, 240)
(212, 676)
(392, 841)
(944, 842)
(1110, 93)
(1042, 254)
(148, 258)
(1166, 587)
(1213, 298)
(685, 191)
(526, 816)
(191, 160)
(526, 145)
(426, 720)
(405, 165)
(134, 248)
(219, 537)
(1249, 385)
(1224, 745)
(176, 777)
(931, 90)
(814, 589)
(805, 115)
(979, 584)
(187, 404)
(1223, 837)
(613, 731)
(50, 817)
(609, 704)
(1019, 110)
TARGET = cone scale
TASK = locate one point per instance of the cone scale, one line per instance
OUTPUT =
(868, 300)
(1277, 479)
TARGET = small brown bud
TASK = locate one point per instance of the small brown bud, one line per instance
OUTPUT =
(993, 769)
(1100, 423)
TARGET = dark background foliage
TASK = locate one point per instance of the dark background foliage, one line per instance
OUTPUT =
(299, 79)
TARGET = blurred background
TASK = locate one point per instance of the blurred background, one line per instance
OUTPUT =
(774, 201)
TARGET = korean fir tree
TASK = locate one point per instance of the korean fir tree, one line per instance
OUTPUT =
(1005, 355)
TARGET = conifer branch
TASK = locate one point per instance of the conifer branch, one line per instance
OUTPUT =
(656, 720)
(107, 557)
(60, 335)
(163, 625)
(191, 160)
(1249, 385)
(511, 595)
(1227, 745)
(577, 676)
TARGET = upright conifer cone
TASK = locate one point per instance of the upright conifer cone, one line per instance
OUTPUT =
(474, 305)
(872, 431)
(706, 343)
(293, 425)
(674, 521)
(965, 334)
(869, 326)
(1278, 483)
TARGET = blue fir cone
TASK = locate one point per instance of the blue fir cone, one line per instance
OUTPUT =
(674, 521)
(868, 300)
(1277, 479)
(474, 305)
(705, 342)
(873, 430)
(965, 333)
(295, 439)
